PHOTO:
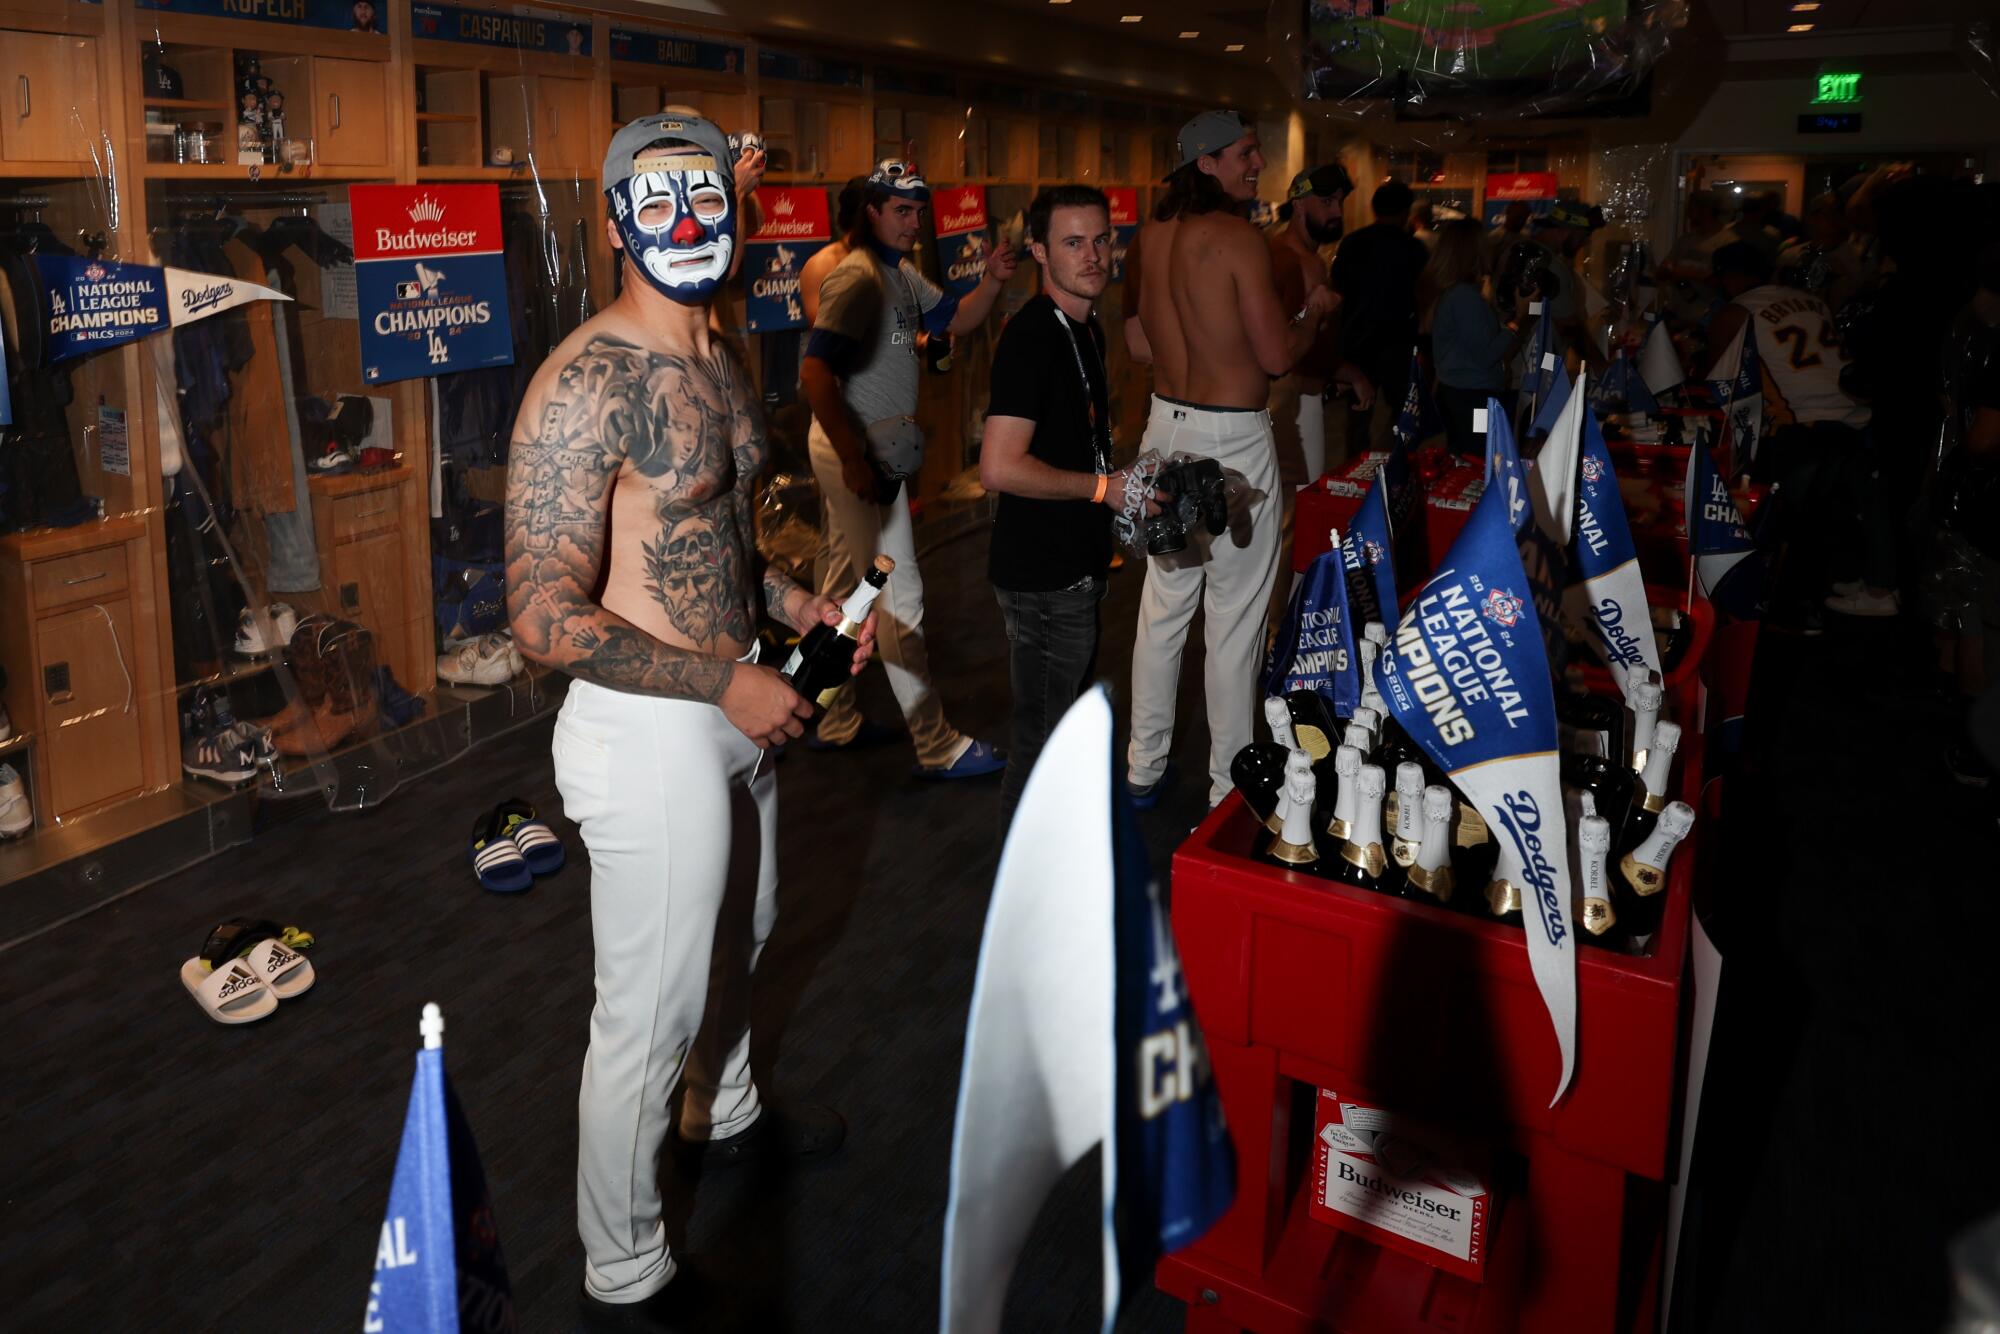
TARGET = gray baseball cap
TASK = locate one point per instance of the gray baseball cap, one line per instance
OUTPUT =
(1210, 132)
(622, 159)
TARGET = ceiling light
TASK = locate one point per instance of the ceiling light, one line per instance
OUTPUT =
(1810, 6)
(1800, 27)
(1191, 33)
(1130, 18)
(1234, 46)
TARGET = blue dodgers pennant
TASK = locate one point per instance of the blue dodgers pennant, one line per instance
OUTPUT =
(1314, 649)
(1175, 1165)
(438, 1264)
(1367, 552)
(1552, 404)
(96, 303)
(1623, 389)
(1504, 473)
(1467, 677)
(1718, 541)
(1610, 595)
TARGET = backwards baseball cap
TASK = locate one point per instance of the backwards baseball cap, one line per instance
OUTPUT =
(632, 151)
(1321, 182)
(1210, 132)
(894, 178)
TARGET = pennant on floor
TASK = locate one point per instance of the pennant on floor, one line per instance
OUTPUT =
(1659, 363)
(1080, 1033)
(1314, 649)
(1493, 729)
(98, 303)
(1610, 595)
(438, 1263)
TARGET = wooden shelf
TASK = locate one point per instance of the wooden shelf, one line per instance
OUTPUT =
(41, 543)
(445, 118)
(55, 171)
(187, 104)
(449, 173)
(18, 742)
(264, 172)
(357, 482)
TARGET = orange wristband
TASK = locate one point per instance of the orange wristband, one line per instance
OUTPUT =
(1103, 485)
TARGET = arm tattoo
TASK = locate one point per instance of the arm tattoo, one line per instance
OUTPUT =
(686, 426)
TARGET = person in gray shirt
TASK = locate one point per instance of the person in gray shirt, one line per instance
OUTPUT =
(860, 373)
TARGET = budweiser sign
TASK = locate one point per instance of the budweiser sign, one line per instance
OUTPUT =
(962, 210)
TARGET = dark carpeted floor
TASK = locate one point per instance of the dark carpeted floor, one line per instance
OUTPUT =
(158, 1171)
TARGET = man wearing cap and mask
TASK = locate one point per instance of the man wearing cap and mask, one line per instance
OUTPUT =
(643, 424)
(1564, 232)
(860, 374)
(1215, 330)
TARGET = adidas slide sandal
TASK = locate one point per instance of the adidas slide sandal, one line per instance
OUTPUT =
(497, 861)
(538, 843)
(231, 994)
(284, 971)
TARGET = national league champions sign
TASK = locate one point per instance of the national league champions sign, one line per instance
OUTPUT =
(431, 280)
(792, 228)
(961, 236)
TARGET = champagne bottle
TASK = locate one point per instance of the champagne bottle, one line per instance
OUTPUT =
(1646, 699)
(1312, 723)
(1610, 785)
(1597, 917)
(1362, 861)
(1259, 768)
(824, 659)
(1376, 633)
(1370, 722)
(1371, 698)
(1431, 874)
(1655, 779)
(1591, 724)
(1346, 768)
(1409, 815)
(1292, 846)
(1644, 869)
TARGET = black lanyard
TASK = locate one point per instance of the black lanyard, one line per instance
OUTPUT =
(1099, 445)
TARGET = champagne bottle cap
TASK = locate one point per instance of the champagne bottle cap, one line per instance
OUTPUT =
(1376, 632)
(1593, 834)
(1666, 737)
(1299, 761)
(1410, 779)
(1370, 781)
(886, 564)
(1347, 761)
(1438, 803)
(1647, 697)
(1676, 820)
(1276, 715)
(1355, 736)
(1366, 717)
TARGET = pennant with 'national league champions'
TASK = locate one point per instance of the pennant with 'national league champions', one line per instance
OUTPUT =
(1368, 549)
(1314, 649)
(438, 1264)
(1467, 678)
(1080, 1033)
(96, 303)
(1717, 540)
(1610, 593)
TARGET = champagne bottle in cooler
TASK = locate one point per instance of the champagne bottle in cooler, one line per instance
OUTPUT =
(1346, 768)
(1313, 728)
(1292, 847)
(1649, 789)
(1371, 698)
(1259, 768)
(1644, 870)
(1405, 815)
(1609, 783)
(1370, 722)
(1647, 698)
(1430, 875)
(1363, 862)
(1597, 917)
(824, 659)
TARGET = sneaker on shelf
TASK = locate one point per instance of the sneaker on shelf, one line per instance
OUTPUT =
(220, 755)
(1847, 588)
(331, 458)
(490, 660)
(17, 816)
(260, 636)
(1865, 603)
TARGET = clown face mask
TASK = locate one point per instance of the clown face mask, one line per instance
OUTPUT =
(677, 218)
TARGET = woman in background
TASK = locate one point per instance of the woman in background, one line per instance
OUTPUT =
(1469, 345)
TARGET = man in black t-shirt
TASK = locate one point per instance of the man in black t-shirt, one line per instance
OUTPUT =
(1376, 271)
(1047, 452)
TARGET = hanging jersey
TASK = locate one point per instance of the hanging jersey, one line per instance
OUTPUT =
(1798, 352)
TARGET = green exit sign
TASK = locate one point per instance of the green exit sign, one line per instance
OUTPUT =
(1838, 88)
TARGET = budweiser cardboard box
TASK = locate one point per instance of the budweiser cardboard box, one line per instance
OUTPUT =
(1400, 1185)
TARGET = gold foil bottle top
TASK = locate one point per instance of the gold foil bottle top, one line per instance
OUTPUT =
(1503, 897)
(1598, 917)
(1437, 882)
(886, 564)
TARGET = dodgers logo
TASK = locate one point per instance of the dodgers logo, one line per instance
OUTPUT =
(1521, 817)
(201, 298)
(1502, 608)
(1619, 643)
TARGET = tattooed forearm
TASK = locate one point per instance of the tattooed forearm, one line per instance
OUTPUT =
(779, 591)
